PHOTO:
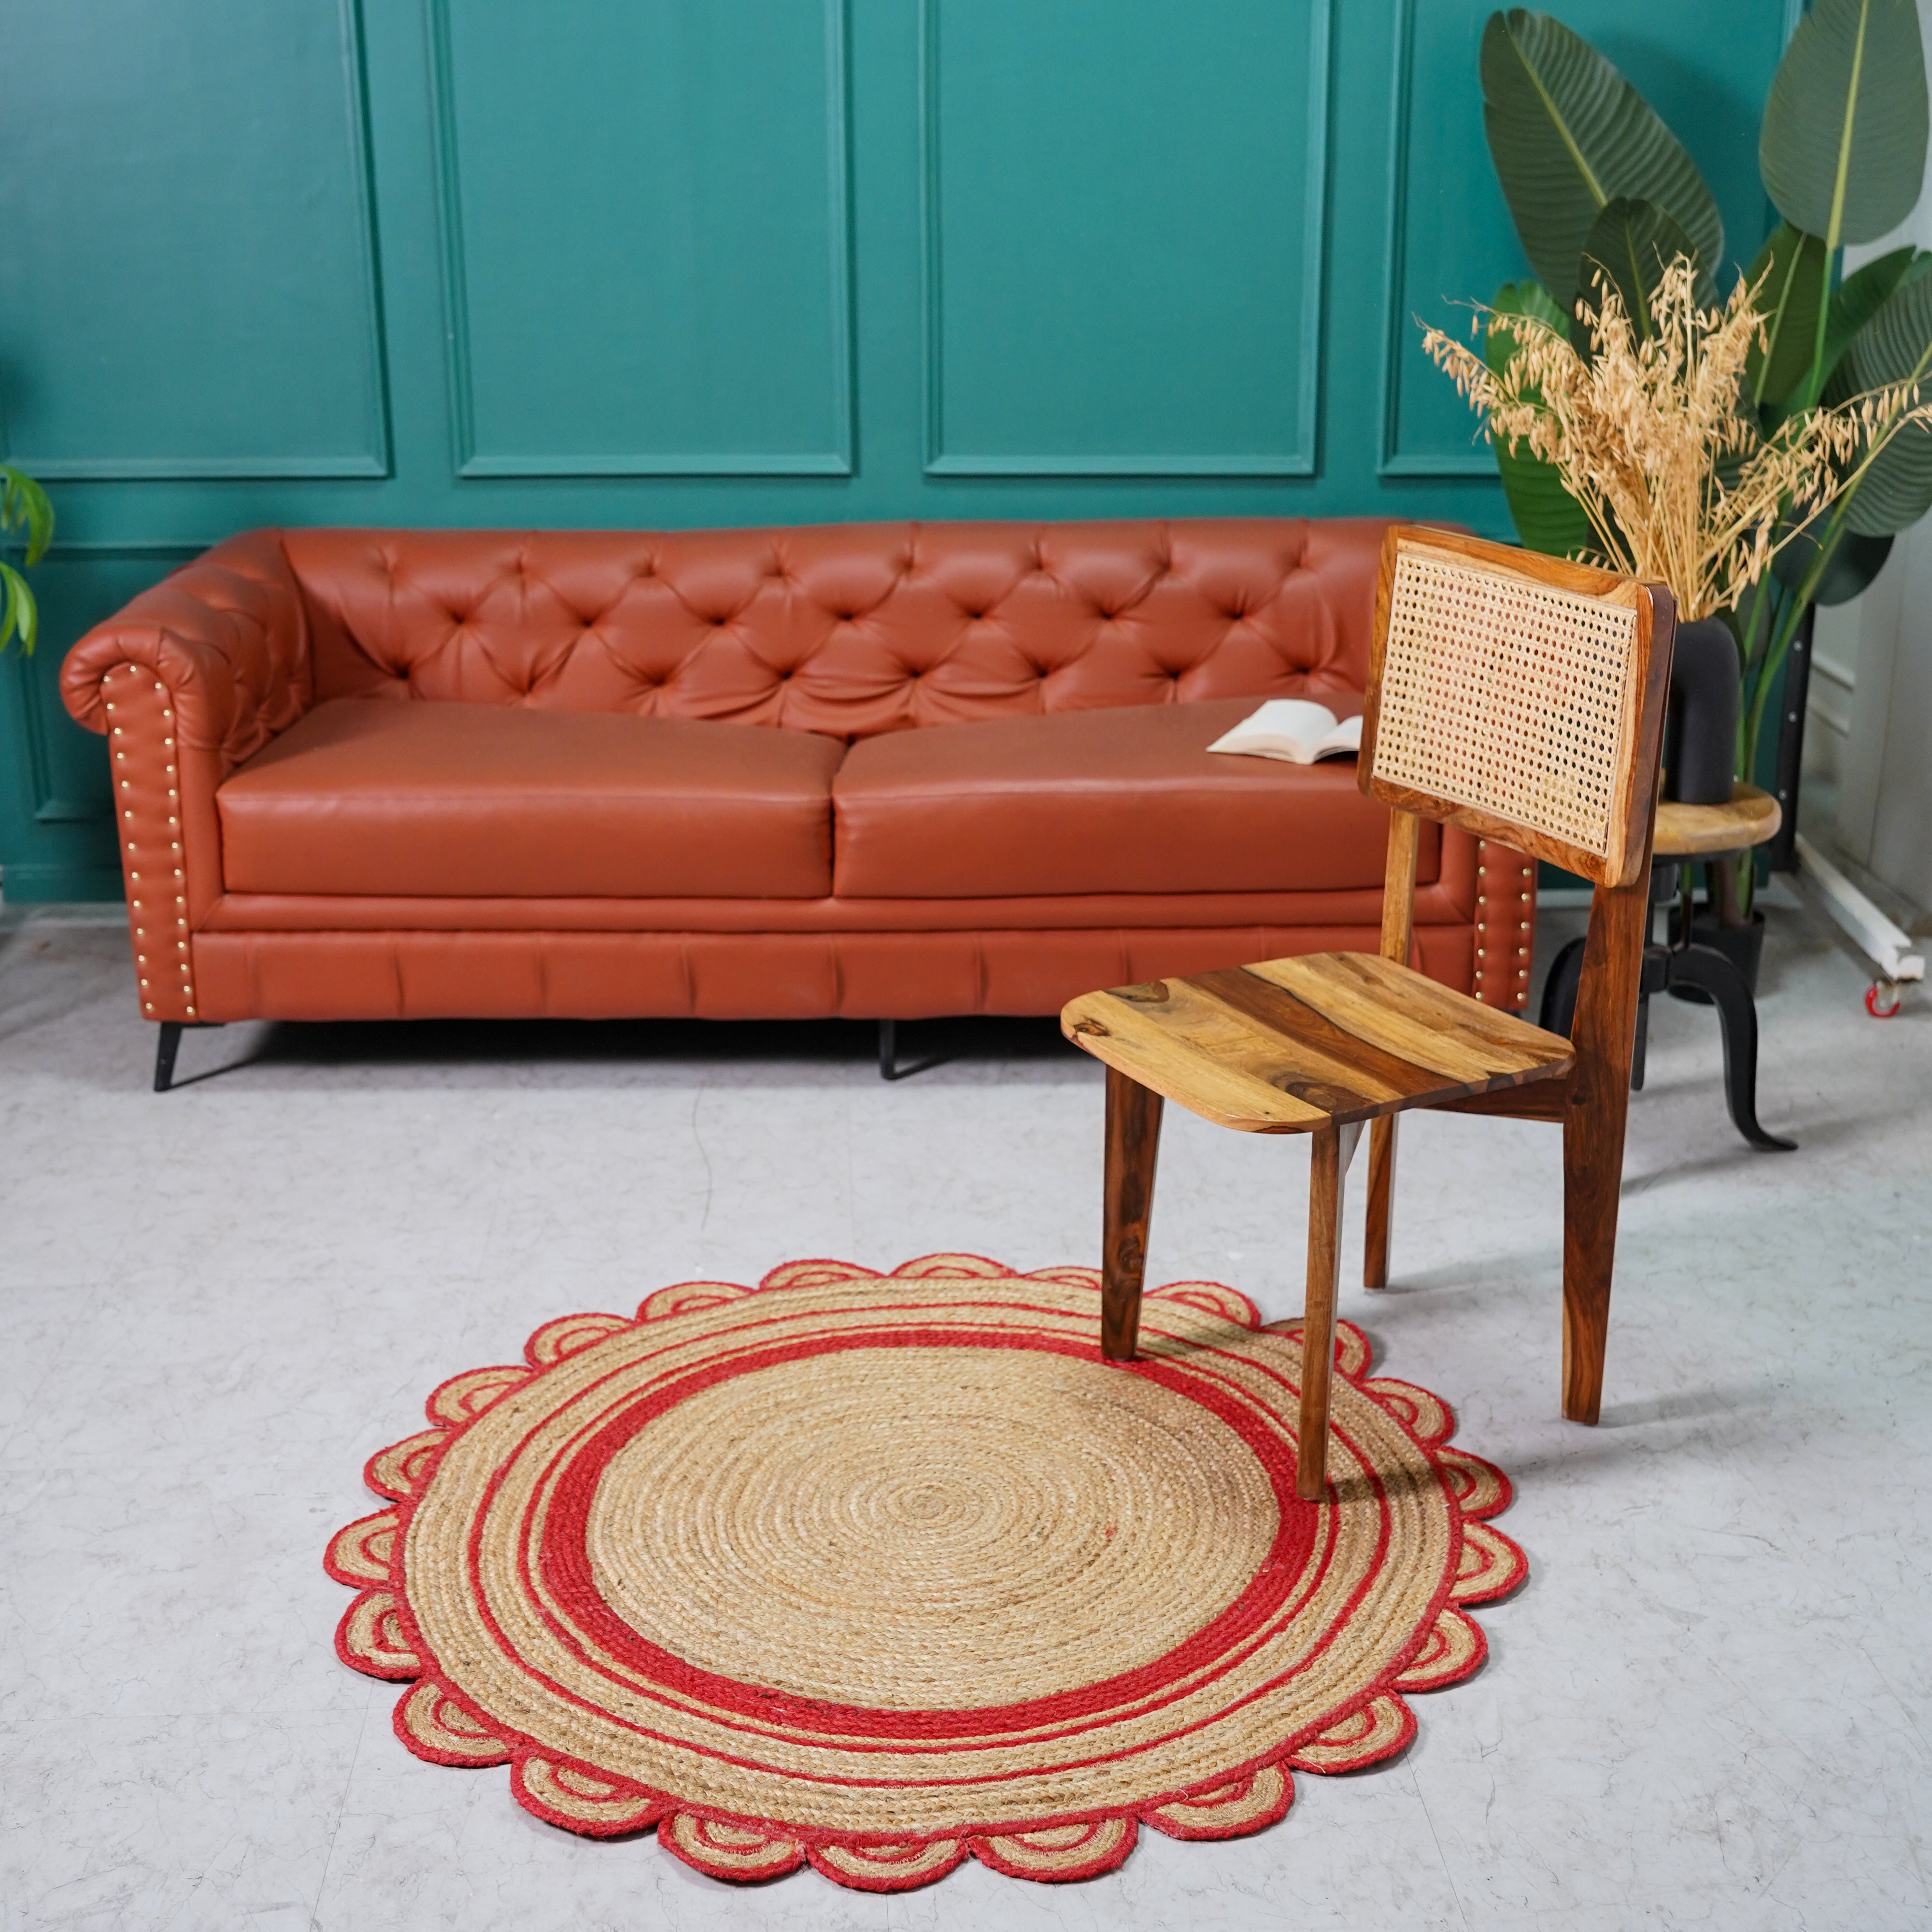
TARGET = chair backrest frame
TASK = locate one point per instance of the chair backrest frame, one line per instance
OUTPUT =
(1630, 803)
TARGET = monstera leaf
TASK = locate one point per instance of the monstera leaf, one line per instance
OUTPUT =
(1896, 347)
(1631, 245)
(1568, 135)
(1843, 146)
(1548, 518)
(1789, 275)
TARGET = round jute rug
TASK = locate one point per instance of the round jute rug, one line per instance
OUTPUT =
(886, 1571)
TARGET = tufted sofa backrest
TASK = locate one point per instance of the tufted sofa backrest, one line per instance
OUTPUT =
(850, 629)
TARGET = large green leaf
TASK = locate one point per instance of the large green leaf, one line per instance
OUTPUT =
(24, 506)
(1632, 242)
(1791, 266)
(1843, 146)
(1896, 347)
(1569, 134)
(1855, 561)
(20, 615)
(1858, 299)
(1548, 518)
(1526, 298)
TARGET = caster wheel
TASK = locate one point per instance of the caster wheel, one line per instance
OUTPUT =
(1881, 999)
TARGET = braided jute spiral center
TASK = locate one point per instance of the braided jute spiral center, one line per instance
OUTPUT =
(913, 1529)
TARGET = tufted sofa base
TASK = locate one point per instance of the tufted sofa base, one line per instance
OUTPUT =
(888, 771)
(336, 976)
(243, 912)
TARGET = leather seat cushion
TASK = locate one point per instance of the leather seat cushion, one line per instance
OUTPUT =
(378, 796)
(1124, 799)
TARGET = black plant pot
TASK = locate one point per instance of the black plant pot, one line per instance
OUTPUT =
(1701, 730)
(1743, 946)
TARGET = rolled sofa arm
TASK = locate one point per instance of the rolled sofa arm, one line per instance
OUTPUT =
(194, 677)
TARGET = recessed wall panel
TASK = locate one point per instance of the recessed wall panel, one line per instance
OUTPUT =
(645, 227)
(1123, 233)
(187, 276)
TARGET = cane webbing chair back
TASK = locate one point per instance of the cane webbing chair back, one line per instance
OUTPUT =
(1518, 696)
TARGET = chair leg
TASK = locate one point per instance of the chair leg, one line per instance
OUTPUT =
(1334, 1148)
(1604, 1034)
(1382, 1201)
(1592, 1173)
(1133, 1141)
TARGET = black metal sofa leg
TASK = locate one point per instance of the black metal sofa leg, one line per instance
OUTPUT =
(890, 1068)
(168, 1045)
(166, 1048)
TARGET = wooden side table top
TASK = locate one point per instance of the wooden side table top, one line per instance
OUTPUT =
(1683, 831)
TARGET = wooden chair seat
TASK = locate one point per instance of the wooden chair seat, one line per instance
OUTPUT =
(1288, 1046)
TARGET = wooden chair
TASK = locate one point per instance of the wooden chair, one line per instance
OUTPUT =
(1521, 698)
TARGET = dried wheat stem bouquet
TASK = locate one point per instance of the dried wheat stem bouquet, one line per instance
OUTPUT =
(1648, 433)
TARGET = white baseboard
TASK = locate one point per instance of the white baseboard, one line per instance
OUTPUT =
(1888, 946)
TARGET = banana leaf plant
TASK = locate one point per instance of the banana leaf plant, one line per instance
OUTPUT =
(24, 507)
(1600, 189)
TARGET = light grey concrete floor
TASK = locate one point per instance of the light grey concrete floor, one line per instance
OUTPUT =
(1708, 1707)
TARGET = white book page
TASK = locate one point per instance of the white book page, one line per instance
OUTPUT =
(1292, 729)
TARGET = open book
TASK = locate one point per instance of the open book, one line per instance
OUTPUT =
(1293, 729)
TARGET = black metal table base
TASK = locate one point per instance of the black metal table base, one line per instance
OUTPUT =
(1665, 967)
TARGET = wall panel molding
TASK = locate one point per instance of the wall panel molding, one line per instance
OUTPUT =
(1392, 460)
(1301, 459)
(474, 460)
(372, 462)
(49, 806)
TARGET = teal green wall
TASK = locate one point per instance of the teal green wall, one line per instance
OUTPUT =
(663, 262)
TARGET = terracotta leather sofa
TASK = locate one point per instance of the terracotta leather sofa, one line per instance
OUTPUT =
(887, 771)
